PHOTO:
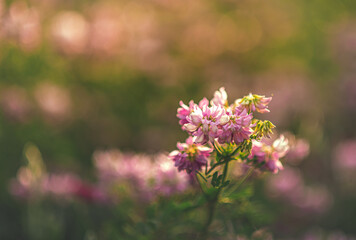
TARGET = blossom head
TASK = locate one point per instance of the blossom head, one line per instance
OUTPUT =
(269, 155)
(205, 122)
(184, 111)
(254, 102)
(168, 180)
(237, 128)
(220, 97)
(190, 156)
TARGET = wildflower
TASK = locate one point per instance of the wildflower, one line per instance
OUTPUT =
(114, 166)
(220, 97)
(298, 149)
(55, 102)
(264, 129)
(254, 102)
(190, 156)
(237, 129)
(70, 32)
(288, 184)
(184, 111)
(269, 155)
(205, 123)
(22, 24)
(16, 104)
(168, 180)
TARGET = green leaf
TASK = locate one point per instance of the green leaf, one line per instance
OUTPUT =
(225, 183)
(214, 179)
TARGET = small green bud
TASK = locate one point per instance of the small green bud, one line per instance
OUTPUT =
(264, 129)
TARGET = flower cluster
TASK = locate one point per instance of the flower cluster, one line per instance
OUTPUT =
(215, 121)
(219, 120)
(140, 176)
(148, 176)
(268, 155)
(290, 187)
(190, 157)
(254, 102)
(58, 186)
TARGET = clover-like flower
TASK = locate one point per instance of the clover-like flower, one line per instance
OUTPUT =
(184, 111)
(220, 97)
(254, 102)
(270, 155)
(237, 129)
(205, 123)
(168, 180)
(190, 156)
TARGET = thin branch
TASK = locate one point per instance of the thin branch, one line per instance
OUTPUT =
(235, 187)
(201, 176)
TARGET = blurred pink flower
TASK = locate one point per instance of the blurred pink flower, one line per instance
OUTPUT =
(253, 102)
(289, 186)
(168, 179)
(61, 186)
(220, 97)
(134, 170)
(298, 149)
(269, 154)
(106, 31)
(15, 103)
(54, 101)
(70, 32)
(115, 166)
(348, 92)
(22, 24)
(345, 154)
(68, 186)
(343, 39)
(315, 199)
(287, 88)
(25, 184)
(146, 175)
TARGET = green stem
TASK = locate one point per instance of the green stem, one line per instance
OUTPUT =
(212, 205)
(235, 187)
(202, 176)
(226, 168)
(200, 185)
(211, 210)
(218, 164)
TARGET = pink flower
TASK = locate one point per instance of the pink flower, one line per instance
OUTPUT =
(69, 186)
(70, 32)
(184, 111)
(205, 123)
(220, 97)
(190, 157)
(54, 101)
(219, 120)
(345, 155)
(298, 149)
(269, 155)
(253, 102)
(288, 184)
(168, 179)
(15, 103)
(22, 24)
(238, 128)
(114, 166)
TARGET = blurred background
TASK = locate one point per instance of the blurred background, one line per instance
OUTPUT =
(82, 76)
